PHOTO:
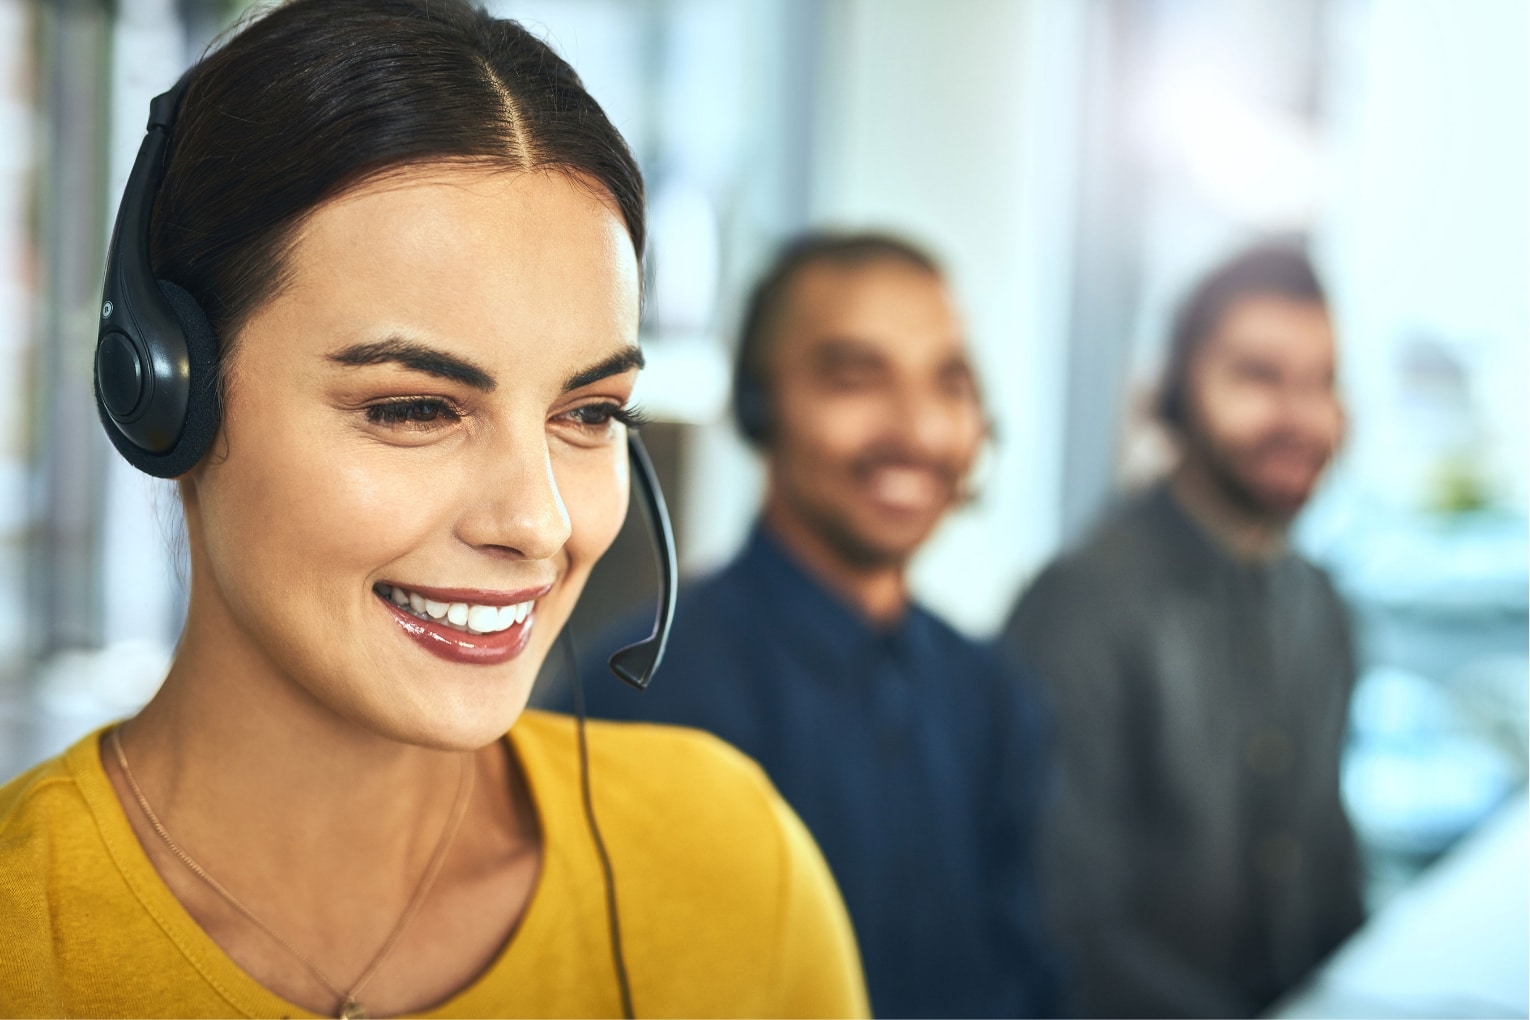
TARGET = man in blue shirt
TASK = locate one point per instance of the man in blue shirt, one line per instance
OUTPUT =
(908, 750)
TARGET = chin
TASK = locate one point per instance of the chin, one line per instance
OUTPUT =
(1272, 503)
(446, 714)
(900, 536)
(1284, 498)
(884, 547)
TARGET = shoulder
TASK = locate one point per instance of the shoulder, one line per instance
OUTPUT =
(1117, 563)
(705, 642)
(716, 873)
(50, 877)
(707, 611)
(39, 807)
(662, 776)
(1313, 590)
(981, 660)
(1318, 581)
(1122, 547)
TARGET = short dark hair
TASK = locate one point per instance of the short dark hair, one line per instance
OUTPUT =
(762, 312)
(319, 96)
(1275, 269)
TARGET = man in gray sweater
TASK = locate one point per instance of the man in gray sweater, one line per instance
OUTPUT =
(1198, 860)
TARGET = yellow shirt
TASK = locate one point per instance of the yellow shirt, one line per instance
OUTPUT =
(726, 906)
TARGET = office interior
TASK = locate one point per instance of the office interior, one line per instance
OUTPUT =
(1076, 164)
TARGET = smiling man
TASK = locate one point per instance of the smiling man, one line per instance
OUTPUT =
(1199, 861)
(905, 747)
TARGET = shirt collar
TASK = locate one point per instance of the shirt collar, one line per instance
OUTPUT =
(810, 614)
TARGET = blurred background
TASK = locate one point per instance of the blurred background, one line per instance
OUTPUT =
(1077, 164)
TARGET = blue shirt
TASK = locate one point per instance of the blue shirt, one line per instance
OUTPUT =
(911, 753)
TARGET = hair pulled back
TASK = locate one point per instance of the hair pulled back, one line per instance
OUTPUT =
(319, 96)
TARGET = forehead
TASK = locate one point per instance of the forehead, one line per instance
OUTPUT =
(897, 310)
(1275, 328)
(495, 263)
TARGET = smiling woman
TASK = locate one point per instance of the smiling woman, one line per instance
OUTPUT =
(416, 240)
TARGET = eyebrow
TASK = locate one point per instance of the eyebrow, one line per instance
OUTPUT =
(421, 358)
(837, 349)
(417, 357)
(624, 360)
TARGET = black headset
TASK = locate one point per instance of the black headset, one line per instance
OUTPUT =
(156, 374)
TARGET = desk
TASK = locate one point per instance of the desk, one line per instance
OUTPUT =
(1455, 943)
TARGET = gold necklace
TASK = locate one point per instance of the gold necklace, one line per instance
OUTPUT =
(350, 1007)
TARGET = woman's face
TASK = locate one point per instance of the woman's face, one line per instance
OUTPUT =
(422, 452)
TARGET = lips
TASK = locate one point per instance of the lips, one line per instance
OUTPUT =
(469, 626)
(906, 485)
(909, 488)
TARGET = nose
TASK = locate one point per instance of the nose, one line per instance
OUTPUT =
(513, 505)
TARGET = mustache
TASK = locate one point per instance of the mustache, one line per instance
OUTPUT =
(1289, 444)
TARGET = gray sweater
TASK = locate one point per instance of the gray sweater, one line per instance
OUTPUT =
(1197, 860)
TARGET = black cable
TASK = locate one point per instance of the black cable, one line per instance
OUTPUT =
(617, 959)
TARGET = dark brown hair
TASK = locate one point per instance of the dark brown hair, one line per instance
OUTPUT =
(762, 312)
(1272, 269)
(319, 96)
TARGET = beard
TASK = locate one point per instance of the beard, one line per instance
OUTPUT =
(1231, 473)
(849, 545)
(854, 532)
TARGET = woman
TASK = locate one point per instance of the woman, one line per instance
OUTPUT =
(417, 239)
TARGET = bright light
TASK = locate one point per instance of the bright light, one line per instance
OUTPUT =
(1259, 166)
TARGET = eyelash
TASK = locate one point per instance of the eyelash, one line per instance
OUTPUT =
(630, 415)
(425, 411)
(411, 411)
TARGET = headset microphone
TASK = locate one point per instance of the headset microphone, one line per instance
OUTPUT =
(636, 663)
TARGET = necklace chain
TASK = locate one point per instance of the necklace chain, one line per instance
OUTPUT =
(350, 1008)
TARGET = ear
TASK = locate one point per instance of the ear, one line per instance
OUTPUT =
(1341, 432)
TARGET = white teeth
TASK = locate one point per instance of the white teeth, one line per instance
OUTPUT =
(477, 618)
(908, 488)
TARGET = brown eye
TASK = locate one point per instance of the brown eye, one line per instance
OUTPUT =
(414, 411)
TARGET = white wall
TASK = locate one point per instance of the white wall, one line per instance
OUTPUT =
(1428, 223)
(951, 122)
(139, 586)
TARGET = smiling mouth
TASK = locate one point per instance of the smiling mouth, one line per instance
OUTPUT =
(908, 488)
(468, 617)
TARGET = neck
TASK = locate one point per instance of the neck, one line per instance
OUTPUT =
(879, 591)
(1245, 533)
(243, 765)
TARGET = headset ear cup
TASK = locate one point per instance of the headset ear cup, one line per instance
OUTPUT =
(751, 410)
(203, 409)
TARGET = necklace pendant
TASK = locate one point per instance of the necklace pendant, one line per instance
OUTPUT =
(352, 1010)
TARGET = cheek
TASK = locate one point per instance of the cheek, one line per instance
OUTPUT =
(295, 505)
(830, 428)
(1235, 415)
(1330, 423)
(595, 489)
(972, 432)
